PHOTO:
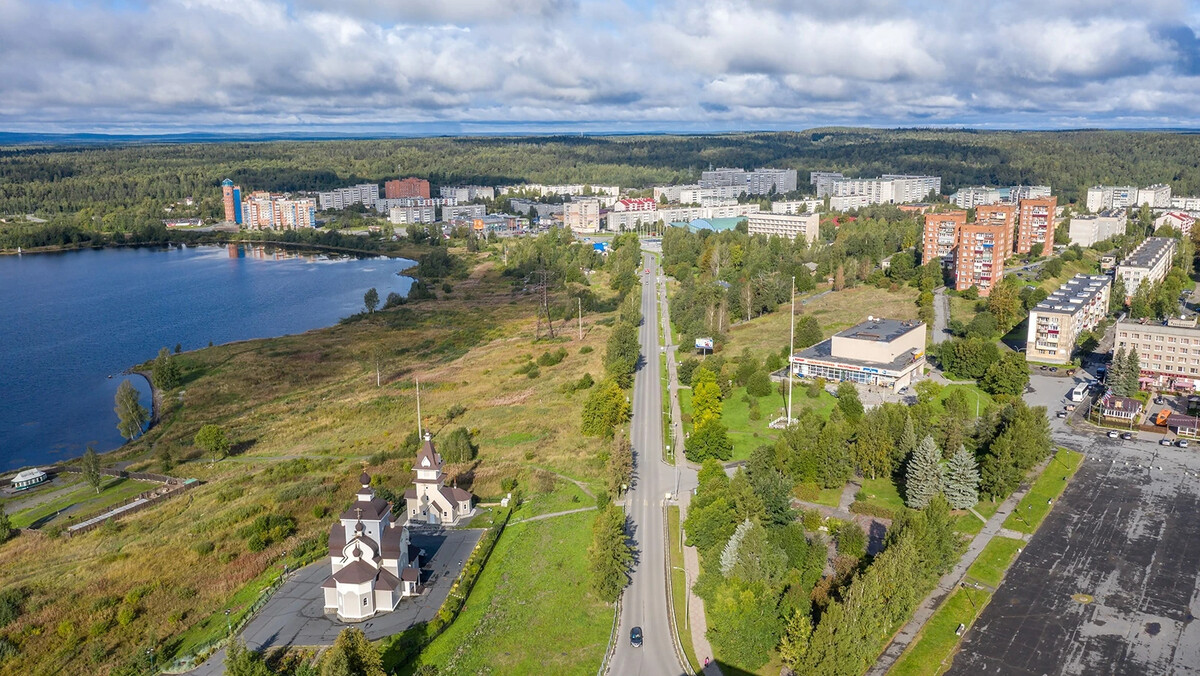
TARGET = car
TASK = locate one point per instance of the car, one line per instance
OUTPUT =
(1164, 442)
(1126, 435)
(1044, 368)
(1069, 407)
(635, 637)
(1054, 369)
(1113, 435)
(1062, 414)
(1182, 443)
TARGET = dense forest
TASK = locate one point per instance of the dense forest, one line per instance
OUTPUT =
(120, 186)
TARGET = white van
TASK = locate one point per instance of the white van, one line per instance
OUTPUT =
(1078, 392)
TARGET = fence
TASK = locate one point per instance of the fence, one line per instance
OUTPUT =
(148, 499)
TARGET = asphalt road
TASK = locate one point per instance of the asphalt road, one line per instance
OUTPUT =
(1109, 584)
(645, 600)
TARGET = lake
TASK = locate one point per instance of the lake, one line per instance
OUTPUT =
(69, 321)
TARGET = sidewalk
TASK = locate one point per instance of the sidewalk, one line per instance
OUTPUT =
(950, 580)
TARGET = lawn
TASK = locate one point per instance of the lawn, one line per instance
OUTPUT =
(882, 492)
(962, 309)
(830, 497)
(532, 610)
(975, 397)
(745, 434)
(994, 560)
(679, 588)
(969, 523)
(1037, 503)
(933, 650)
(83, 502)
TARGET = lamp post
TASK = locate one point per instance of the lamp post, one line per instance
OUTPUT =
(228, 627)
(791, 351)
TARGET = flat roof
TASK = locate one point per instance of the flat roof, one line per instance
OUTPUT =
(1073, 294)
(822, 351)
(880, 330)
(1148, 253)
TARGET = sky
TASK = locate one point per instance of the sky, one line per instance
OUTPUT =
(467, 66)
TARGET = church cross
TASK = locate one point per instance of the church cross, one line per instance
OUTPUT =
(358, 511)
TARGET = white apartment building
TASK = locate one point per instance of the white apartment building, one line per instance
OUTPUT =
(785, 225)
(406, 215)
(264, 211)
(687, 214)
(848, 202)
(1157, 196)
(582, 215)
(887, 189)
(1055, 323)
(466, 193)
(670, 192)
(1104, 197)
(1087, 230)
(385, 205)
(823, 181)
(1028, 192)
(1186, 203)
(620, 221)
(364, 193)
(969, 198)
(1149, 262)
(706, 196)
(566, 190)
(1168, 353)
(757, 182)
(797, 206)
(463, 212)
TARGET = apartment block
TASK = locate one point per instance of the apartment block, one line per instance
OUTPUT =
(1149, 262)
(823, 181)
(757, 182)
(687, 214)
(636, 204)
(582, 215)
(565, 190)
(1035, 232)
(231, 195)
(406, 187)
(262, 210)
(408, 215)
(941, 234)
(1055, 323)
(364, 193)
(1027, 192)
(1186, 203)
(790, 226)
(1104, 197)
(463, 212)
(1157, 196)
(969, 198)
(671, 193)
(1000, 215)
(705, 196)
(466, 193)
(979, 255)
(619, 221)
(796, 206)
(1168, 352)
(1179, 220)
(1087, 230)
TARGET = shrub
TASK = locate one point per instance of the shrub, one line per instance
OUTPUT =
(203, 548)
(585, 349)
(446, 288)
(533, 373)
(126, 614)
(12, 602)
(319, 511)
(759, 384)
(859, 507)
(7, 649)
(266, 530)
(455, 411)
(585, 381)
(508, 483)
(552, 358)
(457, 446)
(393, 299)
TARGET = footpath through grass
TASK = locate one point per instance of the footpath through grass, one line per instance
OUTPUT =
(1038, 502)
(679, 588)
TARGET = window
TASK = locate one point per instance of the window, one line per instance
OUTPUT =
(1170, 339)
(1158, 339)
(364, 601)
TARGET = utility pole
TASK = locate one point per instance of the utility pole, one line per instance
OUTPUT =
(419, 430)
(791, 350)
(580, 301)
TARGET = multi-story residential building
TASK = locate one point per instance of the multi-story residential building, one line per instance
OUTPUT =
(407, 215)
(687, 214)
(823, 181)
(670, 193)
(636, 204)
(849, 202)
(566, 190)
(1104, 197)
(1027, 192)
(723, 176)
(1056, 323)
(913, 188)
(941, 234)
(706, 196)
(796, 206)
(1157, 196)
(582, 215)
(1178, 220)
(385, 205)
(365, 193)
(757, 182)
(262, 210)
(1004, 215)
(1087, 230)
(1168, 353)
(979, 255)
(887, 189)
(463, 212)
(1149, 263)
(232, 196)
(466, 193)
(1036, 226)
(1186, 203)
(878, 352)
(620, 221)
(791, 226)
(969, 198)
(406, 187)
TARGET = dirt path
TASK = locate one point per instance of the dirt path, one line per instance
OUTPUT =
(539, 517)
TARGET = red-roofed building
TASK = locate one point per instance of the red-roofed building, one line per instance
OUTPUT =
(1179, 220)
(636, 204)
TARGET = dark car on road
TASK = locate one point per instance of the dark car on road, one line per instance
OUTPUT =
(1126, 435)
(635, 637)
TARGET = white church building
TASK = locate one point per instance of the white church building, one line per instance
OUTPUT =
(431, 501)
(372, 566)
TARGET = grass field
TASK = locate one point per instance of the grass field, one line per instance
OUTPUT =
(969, 523)
(532, 610)
(745, 434)
(679, 588)
(930, 654)
(882, 492)
(83, 502)
(1037, 503)
(994, 560)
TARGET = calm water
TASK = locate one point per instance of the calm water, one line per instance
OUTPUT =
(68, 321)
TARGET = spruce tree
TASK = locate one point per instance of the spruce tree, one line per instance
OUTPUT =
(1116, 369)
(729, 555)
(907, 442)
(924, 477)
(1131, 373)
(962, 480)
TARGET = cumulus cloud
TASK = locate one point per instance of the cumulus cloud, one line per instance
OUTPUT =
(98, 64)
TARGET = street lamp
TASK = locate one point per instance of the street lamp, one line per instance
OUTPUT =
(228, 627)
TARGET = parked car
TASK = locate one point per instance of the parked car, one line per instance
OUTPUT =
(1054, 369)
(1069, 407)
(1113, 435)
(635, 637)
(1158, 400)
(1126, 435)
(1182, 443)
(1044, 368)
(1164, 442)
(1061, 414)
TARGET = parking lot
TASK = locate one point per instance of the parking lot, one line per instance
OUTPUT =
(1109, 584)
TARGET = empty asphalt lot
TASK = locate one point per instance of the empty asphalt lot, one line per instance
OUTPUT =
(1109, 583)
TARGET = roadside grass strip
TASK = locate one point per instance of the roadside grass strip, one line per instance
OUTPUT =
(1038, 502)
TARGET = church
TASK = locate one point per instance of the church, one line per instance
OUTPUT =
(431, 501)
(372, 565)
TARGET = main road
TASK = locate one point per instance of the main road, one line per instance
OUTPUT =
(644, 603)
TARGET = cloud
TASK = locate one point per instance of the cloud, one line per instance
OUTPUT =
(197, 64)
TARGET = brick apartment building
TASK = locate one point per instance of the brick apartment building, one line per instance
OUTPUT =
(406, 187)
(1036, 226)
(979, 255)
(941, 234)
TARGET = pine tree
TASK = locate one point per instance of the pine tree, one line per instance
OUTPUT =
(924, 477)
(729, 555)
(962, 480)
(794, 644)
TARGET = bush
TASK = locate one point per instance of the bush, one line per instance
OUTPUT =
(686, 368)
(7, 649)
(859, 507)
(12, 602)
(759, 384)
(266, 530)
(508, 483)
(458, 447)
(126, 614)
(203, 548)
(585, 349)
(851, 541)
(533, 373)
(446, 288)
(585, 381)
(393, 299)
(455, 411)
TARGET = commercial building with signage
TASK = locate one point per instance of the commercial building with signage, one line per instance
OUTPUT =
(880, 352)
